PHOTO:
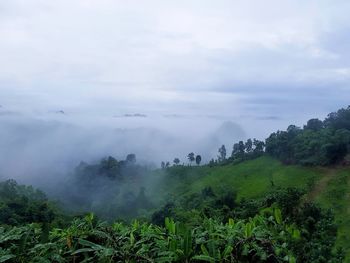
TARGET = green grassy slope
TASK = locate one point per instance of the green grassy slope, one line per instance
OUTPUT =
(254, 178)
(250, 179)
(336, 195)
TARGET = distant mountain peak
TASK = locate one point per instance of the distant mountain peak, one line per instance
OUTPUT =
(229, 128)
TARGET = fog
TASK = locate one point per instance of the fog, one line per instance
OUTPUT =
(44, 148)
(81, 80)
(48, 146)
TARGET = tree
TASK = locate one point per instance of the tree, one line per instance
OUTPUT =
(293, 130)
(131, 158)
(249, 146)
(212, 162)
(238, 150)
(22, 204)
(222, 153)
(338, 120)
(334, 152)
(314, 125)
(318, 143)
(258, 146)
(109, 163)
(280, 144)
(162, 164)
(109, 167)
(198, 159)
(235, 150)
(176, 161)
(190, 157)
(241, 148)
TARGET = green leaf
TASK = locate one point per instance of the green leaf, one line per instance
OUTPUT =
(290, 259)
(296, 234)
(227, 251)
(204, 258)
(132, 239)
(170, 225)
(90, 244)
(6, 257)
(204, 250)
(83, 250)
(231, 222)
(248, 230)
(278, 215)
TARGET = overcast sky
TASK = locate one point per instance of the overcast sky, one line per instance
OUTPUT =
(281, 60)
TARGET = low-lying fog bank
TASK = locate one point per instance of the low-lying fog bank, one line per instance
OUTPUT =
(42, 149)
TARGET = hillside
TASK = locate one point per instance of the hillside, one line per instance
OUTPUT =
(198, 196)
(328, 187)
(250, 178)
(335, 194)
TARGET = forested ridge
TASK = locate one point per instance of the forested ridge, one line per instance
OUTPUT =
(317, 143)
(239, 207)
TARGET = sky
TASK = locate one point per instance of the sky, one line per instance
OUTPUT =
(239, 59)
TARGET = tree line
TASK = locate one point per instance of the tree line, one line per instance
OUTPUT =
(318, 142)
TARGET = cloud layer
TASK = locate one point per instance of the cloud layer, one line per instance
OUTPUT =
(69, 67)
(174, 57)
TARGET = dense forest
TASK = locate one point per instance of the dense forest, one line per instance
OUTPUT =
(319, 142)
(180, 213)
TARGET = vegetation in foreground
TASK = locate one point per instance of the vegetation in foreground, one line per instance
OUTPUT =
(260, 239)
(206, 227)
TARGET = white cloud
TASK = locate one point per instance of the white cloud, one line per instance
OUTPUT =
(161, 55)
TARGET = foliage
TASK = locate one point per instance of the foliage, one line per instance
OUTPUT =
(100, 188)
(20, 204)
(318, 143)
(176, 161)
(198, 159)
(222, 153)
(259, 239)
(336, 195)
(313, 224)
(251, 149)
(191, 157)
